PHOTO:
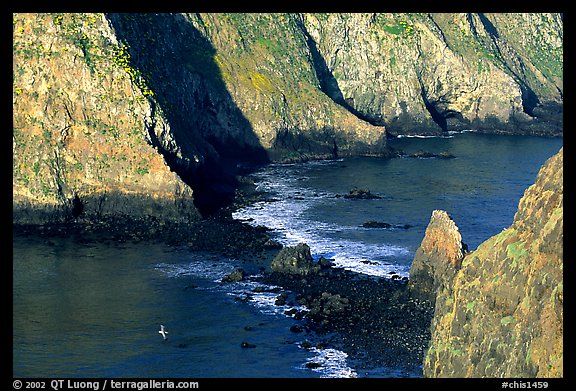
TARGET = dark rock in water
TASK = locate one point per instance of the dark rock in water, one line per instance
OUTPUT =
(281, 299)
(379, 224)
(446, 155)
(235, 276)
(361, 194)
(295, 260)
(182, 345)
(247, 345)
(429, 155)
(313, 365)
(375, 224)
(296, 329)
(272, 245)
(324, 263)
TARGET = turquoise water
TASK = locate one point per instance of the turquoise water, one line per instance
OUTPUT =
(94, 310)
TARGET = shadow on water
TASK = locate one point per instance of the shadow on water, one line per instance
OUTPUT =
(209, 137)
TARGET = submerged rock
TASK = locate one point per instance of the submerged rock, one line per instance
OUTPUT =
(235, 276)
(375, 224)
(380, 224)
(361, 194)
(430, 155)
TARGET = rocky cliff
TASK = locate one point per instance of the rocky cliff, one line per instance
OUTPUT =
(499, 309)
(117, 104)
(428, 73)
(82, 127)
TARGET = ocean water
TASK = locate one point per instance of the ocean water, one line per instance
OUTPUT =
(94, 310)
(479, 188)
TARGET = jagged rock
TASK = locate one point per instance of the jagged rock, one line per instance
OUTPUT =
(437, 258)
(295, 260)
(452, 84)
(158, 127)
(502, 313)
(85, 152)
(281, 299)
(324, 263)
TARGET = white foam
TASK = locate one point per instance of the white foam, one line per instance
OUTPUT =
(288, 219)
(332, 363)
(198, 266)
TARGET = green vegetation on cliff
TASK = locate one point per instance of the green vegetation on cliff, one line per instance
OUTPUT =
(501, 315)
(80, 124)
(123, 102)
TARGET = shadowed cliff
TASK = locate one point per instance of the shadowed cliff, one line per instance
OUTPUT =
(208, 136)
(118, 103)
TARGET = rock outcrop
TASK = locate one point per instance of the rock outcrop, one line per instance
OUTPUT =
(428, 73)
(437, 259)
(81, 127)
(500, 312)
(294, 260)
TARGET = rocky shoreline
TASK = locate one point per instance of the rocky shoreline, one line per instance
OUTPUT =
(374, 320)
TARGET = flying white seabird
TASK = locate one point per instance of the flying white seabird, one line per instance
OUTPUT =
(163, 332)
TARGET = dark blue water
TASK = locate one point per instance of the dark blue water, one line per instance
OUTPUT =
(95, 310)
(479, 188)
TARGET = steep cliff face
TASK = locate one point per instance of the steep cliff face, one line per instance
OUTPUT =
(427, 73)
(242, 86)
(501, 314)
(81, 127)
(237, 89)
(112, 104)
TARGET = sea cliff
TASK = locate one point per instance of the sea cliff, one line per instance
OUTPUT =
(137, 113)
(498, 309)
